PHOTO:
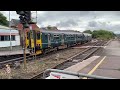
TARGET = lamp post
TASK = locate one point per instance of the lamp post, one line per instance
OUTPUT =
(10, 33)
(36, 17)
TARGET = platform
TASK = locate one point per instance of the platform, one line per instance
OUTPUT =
(6, 53)
(107, 64)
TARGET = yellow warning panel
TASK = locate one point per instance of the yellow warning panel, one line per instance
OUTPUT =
(38, 52)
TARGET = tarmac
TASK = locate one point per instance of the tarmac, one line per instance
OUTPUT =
(106, 63)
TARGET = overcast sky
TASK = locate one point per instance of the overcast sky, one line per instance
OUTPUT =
(76, 20)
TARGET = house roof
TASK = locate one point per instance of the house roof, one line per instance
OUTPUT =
(14, 22)
(4, 27)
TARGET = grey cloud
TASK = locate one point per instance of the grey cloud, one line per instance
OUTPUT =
(92, 24)
(79, 19)
(68, 23)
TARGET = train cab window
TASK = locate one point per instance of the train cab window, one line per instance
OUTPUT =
(38, 35)
(28, 35)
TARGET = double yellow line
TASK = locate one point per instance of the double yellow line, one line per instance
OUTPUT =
(95, 67)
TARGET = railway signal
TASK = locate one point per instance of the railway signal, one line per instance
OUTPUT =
(25, 20)
(27, 16)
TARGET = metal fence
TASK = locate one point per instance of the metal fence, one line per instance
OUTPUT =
(80, 75)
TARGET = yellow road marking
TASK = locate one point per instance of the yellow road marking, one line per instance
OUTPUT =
(95, 67)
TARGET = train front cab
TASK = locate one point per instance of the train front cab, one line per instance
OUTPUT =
(33, 41)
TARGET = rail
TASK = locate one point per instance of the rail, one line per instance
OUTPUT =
(69, 60)
(75, 74)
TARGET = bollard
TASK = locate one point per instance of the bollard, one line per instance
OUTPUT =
(57, 57)
(8, 70)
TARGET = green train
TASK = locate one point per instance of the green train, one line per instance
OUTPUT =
(43, 40)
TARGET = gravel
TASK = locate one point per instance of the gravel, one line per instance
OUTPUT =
(36, 66)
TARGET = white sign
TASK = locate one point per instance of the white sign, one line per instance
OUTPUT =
(54, 75)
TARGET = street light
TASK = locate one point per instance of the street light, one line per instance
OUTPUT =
(10, 33)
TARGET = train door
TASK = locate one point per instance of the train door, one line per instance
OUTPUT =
(49, 40)
(75, 38)
(62, 39)
(29, 37)
(34, 38)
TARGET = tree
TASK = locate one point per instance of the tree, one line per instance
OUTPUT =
(3, 20)
(52, 27)
(88, 31)
(103, 34)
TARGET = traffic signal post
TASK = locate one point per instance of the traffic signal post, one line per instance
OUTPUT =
(25, 20)
(24, 47)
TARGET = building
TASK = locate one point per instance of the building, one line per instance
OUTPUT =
(14, 23)
(5, 33)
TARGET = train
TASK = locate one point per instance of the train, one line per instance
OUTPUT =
(42, 41)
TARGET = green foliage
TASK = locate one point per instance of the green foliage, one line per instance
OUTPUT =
(101, 34)
(3, 20)
(51, 27)
(88, 31)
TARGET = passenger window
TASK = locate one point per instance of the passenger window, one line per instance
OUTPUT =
(56, 36)
(46, 36)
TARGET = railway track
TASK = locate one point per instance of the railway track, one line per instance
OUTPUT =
(73, 60)
(11, 59)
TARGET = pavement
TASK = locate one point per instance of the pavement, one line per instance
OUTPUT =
(5, 53)
(107, 64)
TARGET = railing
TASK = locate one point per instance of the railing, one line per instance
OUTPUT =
(80, 75)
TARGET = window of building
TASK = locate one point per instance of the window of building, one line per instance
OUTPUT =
(2, 38)
(6, 38)
(13, 37)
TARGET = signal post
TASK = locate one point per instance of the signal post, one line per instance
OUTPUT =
(25, 20)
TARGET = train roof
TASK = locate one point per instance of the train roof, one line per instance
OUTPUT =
(60, 31)
(87, 34)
